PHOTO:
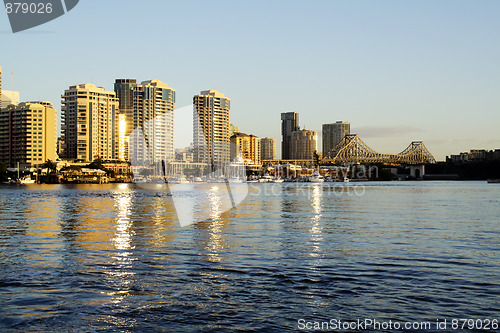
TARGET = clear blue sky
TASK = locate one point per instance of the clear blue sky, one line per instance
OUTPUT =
(396, 70)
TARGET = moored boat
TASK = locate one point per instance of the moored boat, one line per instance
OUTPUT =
(316, 178)
(25, 180)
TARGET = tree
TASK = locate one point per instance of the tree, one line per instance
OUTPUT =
(96, 164)
(50, 165)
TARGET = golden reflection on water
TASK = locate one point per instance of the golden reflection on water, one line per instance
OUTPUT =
(316, 229)
(43, 227)
(124, 232)
(214, 231)
(215, 203)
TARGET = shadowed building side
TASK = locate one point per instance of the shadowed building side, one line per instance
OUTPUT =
(289, 124)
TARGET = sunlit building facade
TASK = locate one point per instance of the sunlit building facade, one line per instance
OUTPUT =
(268, 149)
(124, 89)
(152, 140)
(248, 147)
(90, 123)
(304, 144)
(334, 133)
(211, 128)
(28, 134)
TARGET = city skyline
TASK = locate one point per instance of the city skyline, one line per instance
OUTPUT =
(397, 72)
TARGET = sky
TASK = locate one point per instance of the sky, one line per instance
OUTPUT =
(398, 71)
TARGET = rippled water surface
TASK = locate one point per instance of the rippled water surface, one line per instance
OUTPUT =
(113, 257)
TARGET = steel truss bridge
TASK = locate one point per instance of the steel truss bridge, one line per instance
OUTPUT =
(353, 150)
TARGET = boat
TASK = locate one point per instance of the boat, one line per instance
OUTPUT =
(346, 180)
(277, 180)
(316, 178)
(265, 179)
(493, 181)
(179, 180)
(26, 180)
(9, 181)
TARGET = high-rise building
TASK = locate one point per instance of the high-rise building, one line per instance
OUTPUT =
(268, 149)
(28, 134)
(303, 144)
(333, 134)
(152, 114)
(247, 147)
(9, 97)
(289, 124)
(90, 123)
(211, 128)
(124, 89)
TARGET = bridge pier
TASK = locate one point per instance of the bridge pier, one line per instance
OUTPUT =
(417, 171)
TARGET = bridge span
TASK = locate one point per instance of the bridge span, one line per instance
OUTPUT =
(353, 150)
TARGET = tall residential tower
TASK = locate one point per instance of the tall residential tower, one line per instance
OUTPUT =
(124, 89)
(28, 134)
(90, 123)
(152, 140)
(248, 147)
(211, 128)
(268, 149)
(303, 144)
(289, 124)
(333, 134)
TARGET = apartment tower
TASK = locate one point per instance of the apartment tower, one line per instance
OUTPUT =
(333, 134)
(146, 121)
(28, 134)
(90, 123)
(211, 128)
(124, 90)
(248, 147)
(289, 124)
(303, 144)
(268, 149)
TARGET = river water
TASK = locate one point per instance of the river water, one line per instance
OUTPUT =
(103, 258)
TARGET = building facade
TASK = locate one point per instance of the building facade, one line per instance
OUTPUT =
(28, 134)
(150, 126)
(211, 128)
(303, 144)
(268, 149)
(289, 124)
(334, 133)
(124, 89)
(90, 123)
(247, 147)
